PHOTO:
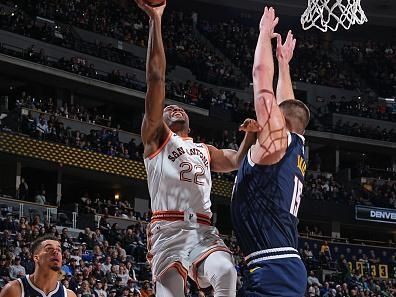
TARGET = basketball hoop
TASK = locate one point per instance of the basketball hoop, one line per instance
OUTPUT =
(324, 15)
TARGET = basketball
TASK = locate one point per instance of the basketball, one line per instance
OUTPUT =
(155, 3)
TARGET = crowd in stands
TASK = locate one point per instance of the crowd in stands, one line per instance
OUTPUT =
(361, 130)
(354, 266)
(105, 141)
(376, 62)
(379, 110)
(110, 261)
(315, 62)
(312, 62)
(190, 92)
(381, 193)
(95, 263)
(194, 92)
(126, 23)
(49, 125)
(371, 191)
(62, 35)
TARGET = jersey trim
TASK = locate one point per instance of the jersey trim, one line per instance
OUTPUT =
(289, 141)
(249, 157)
(179, 268)
(206, 254)
(289, 138)
(207, 149)
(174, 215)
(284, 256)
(153, 155)
(41, 291)
(302, 137)
(22, 287)
(271, 254)
(268, 251)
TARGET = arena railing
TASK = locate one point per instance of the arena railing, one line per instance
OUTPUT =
(19, 208)
(59, 216)
(83, 126)
(348, 241)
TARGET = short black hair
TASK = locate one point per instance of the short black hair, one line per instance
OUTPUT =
(36, 244)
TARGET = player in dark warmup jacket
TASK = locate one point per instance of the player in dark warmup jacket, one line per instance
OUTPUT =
(269, 183)
(47, 256)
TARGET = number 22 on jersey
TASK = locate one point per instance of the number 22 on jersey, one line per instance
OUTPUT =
(192, 173)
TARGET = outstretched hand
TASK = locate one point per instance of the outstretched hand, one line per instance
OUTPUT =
(268, 22)
(284, 52)
(151, 11)
(250, 125)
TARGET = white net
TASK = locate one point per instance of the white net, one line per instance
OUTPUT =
(329, 14)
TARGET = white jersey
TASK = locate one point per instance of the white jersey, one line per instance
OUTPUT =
(178, 176)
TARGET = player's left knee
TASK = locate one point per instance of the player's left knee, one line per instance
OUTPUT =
(225, 283)
(226, 274)
(228, 270)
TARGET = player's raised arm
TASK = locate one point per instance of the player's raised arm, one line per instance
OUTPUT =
(284, 54)
(227, 160)
(272, 140)
(154, 130)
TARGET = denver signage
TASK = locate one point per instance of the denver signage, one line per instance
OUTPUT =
(375, 214)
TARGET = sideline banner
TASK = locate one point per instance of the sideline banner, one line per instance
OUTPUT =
(375, 214)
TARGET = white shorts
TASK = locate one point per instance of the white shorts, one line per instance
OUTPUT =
(182, 245)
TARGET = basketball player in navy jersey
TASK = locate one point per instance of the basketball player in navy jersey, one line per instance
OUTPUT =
(269, 182)
(47, 256)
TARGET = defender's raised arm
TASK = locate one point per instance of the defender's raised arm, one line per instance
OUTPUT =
(272, 140)
(284, 54)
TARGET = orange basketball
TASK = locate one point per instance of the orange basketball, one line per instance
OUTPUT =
(154, 3)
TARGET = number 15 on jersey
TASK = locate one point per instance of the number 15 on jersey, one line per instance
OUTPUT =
(295, 204)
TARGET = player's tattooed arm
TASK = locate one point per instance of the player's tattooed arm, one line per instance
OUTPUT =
(154, 130)
(227, 160)
(272, 139)
(284, 54)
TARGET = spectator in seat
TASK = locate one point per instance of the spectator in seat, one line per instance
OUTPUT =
(76, 281)
(23, 225)
(10, 224)
(112, 292)
(325, 254)
(66, 268)
(4, 268)
(17, 270)
(40, 198)
(106, 266)
(313, 280)
(85, 290)
(146, 290)
(26, 260)
(98, 290)
(23, 190)
(41, 127)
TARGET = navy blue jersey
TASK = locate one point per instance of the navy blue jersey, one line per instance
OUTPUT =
(266, 199)
(30, 290)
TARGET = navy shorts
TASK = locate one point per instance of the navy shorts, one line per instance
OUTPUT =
(280, 278)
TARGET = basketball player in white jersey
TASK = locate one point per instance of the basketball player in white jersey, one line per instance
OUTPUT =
(181, 240)
(47, 256)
